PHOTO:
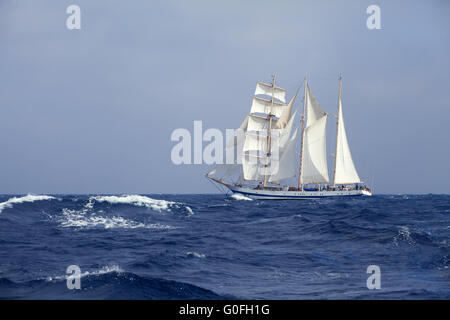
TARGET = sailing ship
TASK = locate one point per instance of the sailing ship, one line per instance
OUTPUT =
(262, 154)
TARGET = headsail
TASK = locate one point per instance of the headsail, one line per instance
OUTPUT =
(232, 153)
(345, 171)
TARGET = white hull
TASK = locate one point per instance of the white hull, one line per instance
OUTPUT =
(285, 194)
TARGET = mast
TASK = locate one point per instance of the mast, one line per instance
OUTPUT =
(337, 131)
(303, 136)
(268, 142)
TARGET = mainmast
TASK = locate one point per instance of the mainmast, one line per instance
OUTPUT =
(303, 136)
(268, 142)
(337, 130)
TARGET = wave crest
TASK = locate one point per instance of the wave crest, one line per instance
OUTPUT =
(103, 270)
(28, 198)
(193, 254)
(106, 283)
(140, 201)
(80, 219)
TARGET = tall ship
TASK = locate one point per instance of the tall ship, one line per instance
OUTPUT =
(262, 161)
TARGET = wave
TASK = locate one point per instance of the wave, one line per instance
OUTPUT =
(83, 219)
(28, 198)
(416, 237)
(238, 196)
(87, 218)
(107, 283)
(136, 200)
(103, 270)
(140, 201)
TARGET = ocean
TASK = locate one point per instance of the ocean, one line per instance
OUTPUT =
(217, 247)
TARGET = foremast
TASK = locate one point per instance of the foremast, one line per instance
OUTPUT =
(267, 135)
(303, 137)
(266, 151)
(269, 129)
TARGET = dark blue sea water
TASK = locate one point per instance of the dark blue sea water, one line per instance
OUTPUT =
(215, 247)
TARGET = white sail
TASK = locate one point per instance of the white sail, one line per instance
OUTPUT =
(258, 142)
(314, 155)
(255, 142)
(252, 167)
(256, 162)
(223, 171)
(255, 158)
(238, 135)
(286, 114)
(232, 154)
(287, 165)
(260, 160)
(268, 89)
(264, 106)
(286, 132)
(314, 166)
(244, 124)
(280, 128)
(313, 109)
(281, 163)
(345, 172)
(257, 123)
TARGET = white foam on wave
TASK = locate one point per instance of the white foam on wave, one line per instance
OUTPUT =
(404, 234)
(82, 219)
(28, 198)
(238, 196)
(195, 254)
(140, 201)
(189, 210)
(87, 218)
(103, 270)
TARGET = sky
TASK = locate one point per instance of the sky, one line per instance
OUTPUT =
(93, 110)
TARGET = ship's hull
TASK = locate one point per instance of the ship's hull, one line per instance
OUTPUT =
(292, 195)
